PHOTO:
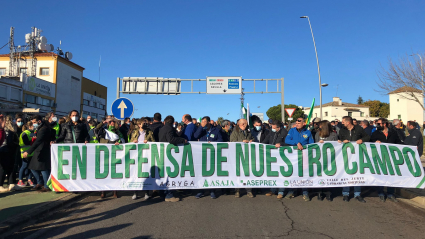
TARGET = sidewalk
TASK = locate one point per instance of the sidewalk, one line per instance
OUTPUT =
(20, 206)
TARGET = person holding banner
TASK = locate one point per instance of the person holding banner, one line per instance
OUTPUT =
(168, 134)
(25, 141)
(299, 136)
(348, 133)
(74, 131)
(141, 135)
(277, 138)
(40, 149)
(384, 134)
(325, 134)
(241, 134)
(415, 137)
(207, 133)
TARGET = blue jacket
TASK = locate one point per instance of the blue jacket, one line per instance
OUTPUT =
(189, 131)
(294, 137)
(213, 135)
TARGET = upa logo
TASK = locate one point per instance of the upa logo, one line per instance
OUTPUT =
(286, 183)
(322, 182)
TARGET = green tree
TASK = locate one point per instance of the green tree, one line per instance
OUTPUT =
(219, 120)
(378, 108)
(374, 106)
(274, 112)
(384, 110)
(360, 100)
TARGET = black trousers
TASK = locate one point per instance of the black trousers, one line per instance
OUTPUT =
(7, 163)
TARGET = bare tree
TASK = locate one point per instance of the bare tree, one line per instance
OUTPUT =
(404, 78)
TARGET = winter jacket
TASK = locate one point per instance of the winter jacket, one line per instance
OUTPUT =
(80, 133)
(400, 133)
(2, 136)
(355, 134)
(302, 136)
(225, 135)
(188, 132)
(168, 134)
(156, 127)
(276, 137)
(136, 133)
(10, 143)
(368, 130)
(213, 134)
(263, 134)
(392, 137)
(41, 148)
(332, 137)
(239, 136)
(124, 131)
(415, 139)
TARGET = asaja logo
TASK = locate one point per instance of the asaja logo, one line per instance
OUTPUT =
(286, 183)
(305, 136)
(322, 182)
(214, 183)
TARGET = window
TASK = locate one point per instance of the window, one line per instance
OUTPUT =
(75, 78)
(15, 95)
(361, 114)
(2, 71)
(23, 70)
(94, 115)
(350, 114)
(31, 99)
(399, 116)
(101, 106)
(85, 114)
(86, 102)
(316, 114)
(44, 71)
(398, 100)
(46, 102)
(94, 104)
(3, 92)
(326, 113)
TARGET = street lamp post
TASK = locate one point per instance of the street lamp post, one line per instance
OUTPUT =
(318, 67)
(422, 74)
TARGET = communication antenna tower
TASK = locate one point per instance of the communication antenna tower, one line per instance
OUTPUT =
(242, 102)
(12, 51)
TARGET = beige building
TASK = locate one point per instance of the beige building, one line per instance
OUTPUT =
(404, 107)
(338, 109)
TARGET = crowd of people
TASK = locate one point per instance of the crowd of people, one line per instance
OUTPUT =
(25, 143)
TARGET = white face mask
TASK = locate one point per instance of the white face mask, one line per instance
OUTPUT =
(74, 118)
(54, 119)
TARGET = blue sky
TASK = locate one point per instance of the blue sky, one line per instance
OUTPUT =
(252, 39)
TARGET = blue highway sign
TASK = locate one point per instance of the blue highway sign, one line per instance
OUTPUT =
(122, 108)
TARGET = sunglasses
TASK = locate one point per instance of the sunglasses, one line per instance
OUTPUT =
(299, 121)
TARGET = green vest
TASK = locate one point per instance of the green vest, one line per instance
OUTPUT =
(92, 136)
(56, 128)
(22, 145)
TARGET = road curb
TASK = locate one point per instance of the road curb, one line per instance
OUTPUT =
(46, 207)
(408, 193)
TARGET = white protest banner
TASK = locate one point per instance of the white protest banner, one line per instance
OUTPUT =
(160, 166)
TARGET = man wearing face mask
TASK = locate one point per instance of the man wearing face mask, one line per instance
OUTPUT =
(258, 132)
(384, 134)
(74, 131)
(52, 119)
(226, 130)
(207, 132)
(125, 128)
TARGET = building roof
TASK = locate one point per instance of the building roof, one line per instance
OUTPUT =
(41, 54)
(405, 89)
(85, 78)
(344, 104)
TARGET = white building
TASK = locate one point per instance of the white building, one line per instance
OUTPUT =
(338, 109)
(404, 107)
(65, 79)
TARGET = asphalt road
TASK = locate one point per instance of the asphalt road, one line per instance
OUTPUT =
(230, 217)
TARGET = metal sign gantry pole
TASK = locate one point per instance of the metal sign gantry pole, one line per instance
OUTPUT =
(144, 80)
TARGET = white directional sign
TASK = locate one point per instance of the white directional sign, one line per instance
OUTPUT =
(224, 85)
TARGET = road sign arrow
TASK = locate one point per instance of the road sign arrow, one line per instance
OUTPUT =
(122, 107)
